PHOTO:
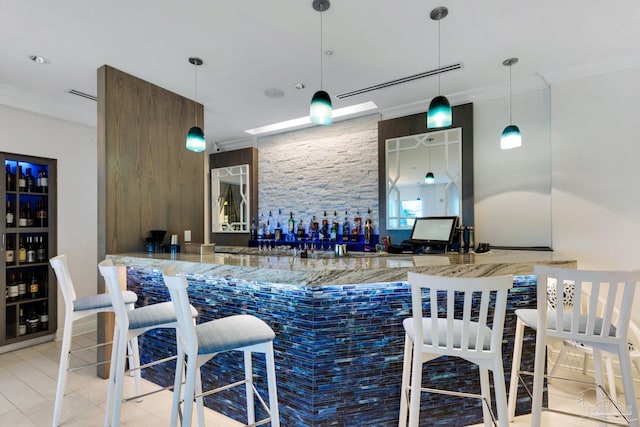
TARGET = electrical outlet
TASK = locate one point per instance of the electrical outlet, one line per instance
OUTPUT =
(187, 235)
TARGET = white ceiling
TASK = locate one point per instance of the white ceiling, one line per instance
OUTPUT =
(250, 46)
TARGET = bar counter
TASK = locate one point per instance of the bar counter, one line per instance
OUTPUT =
(338, 324)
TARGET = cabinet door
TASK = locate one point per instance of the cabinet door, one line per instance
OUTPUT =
(28, 309)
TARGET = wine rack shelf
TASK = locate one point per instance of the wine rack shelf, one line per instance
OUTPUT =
(28, 232)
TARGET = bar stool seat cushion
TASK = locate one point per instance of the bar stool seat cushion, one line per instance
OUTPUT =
(529, 317)
(232, 332)
(443, 332)
(93, 302)
(155, 314)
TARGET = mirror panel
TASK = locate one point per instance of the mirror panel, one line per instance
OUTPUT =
(230, 199)
(408, 159)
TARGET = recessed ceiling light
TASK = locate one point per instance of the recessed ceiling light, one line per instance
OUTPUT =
(39, 59)
(274, 93)
(299, 85)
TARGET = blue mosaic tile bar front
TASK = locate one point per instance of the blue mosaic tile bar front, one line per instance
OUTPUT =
(338, 350)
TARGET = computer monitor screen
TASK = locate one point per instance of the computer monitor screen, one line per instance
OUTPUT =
(434, 230)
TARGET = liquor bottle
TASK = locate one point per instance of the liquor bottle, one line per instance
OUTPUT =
(277, 232)
(29, 215)
(30, 181)
(11, 178)
(301, 233)
(260, 227)
(346, 228)
(291, 226)
(22, 217)
(368, 227)
(43, 180)
(11, 218)
(12, 292)
(22, 324)
(22, 182)
(325, 226)
(22, 252)
(334, 227)
(357, 227)
(314, 228)
(34, 287)
(44, 317)
(270, 227)
(22, 286)
(254, 229)
(9, 252)
(41, 214)
(31, 250)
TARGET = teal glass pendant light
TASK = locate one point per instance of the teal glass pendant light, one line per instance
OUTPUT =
(429, 178)
(195, 136)
(321, 109)
(439, 113)
(511, 137)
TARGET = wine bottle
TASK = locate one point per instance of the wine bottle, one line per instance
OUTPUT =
(22, 286)
(41, 214)
(22, 217)
(44, 317)
(22, 182)
(31, 250)
(22, 324)
(44, 181)
(30, 181)
(33, 322)
(9, 252)
(291, 224)
(325, 226)
(11, 178)
(29, 215)
(10, 215)
(22, 251)
(12, 292)
(34, 287)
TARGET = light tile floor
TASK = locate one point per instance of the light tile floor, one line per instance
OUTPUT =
(28, 381)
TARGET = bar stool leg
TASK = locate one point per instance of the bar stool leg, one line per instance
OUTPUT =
(248, 377)
(62, 370)
(271, 383)
(538, 375)
(627, 382)
(501, 393)
(406, 376)
(199, 400)
(515, 368)
(177, 387)
(486, 394)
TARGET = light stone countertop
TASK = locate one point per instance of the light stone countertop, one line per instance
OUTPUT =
(325, 269)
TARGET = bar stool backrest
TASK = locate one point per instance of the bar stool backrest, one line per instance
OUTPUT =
(61, 268)
(179, 297)
(601, 308)
(454, 299)
(113, 277)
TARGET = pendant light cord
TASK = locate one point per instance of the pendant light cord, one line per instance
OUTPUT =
(195, 69)
(321, 59)
(439, 56)
(510, 94)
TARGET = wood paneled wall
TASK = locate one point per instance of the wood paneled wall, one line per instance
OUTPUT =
(147, 179)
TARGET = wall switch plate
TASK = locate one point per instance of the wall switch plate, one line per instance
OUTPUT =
(187, 235)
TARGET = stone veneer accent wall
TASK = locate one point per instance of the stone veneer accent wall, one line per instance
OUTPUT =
(322, 168)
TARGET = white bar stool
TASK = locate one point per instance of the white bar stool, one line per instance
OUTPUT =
(128, 326)
(430, 337)
(75, 309)
(202, 342)
(598, 317)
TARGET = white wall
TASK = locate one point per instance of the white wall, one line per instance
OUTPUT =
(74, 146)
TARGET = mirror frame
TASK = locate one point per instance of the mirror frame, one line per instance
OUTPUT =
(235, 172)
(244, 156)
(417, 124)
